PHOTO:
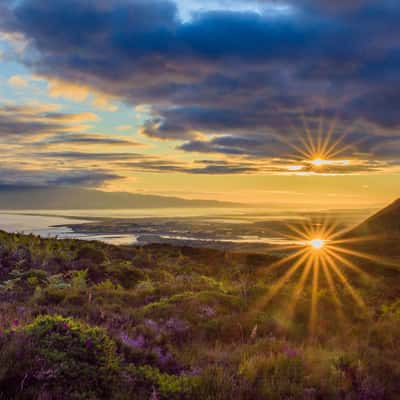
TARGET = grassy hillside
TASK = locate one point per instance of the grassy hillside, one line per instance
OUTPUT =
(90, 321)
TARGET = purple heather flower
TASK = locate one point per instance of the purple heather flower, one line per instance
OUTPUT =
(193, 371)
(88, 343)
(310, 392)
(290, 352)
(163, 357)
(207, 311)
(176, 325)
(137, 343)
(152, 325)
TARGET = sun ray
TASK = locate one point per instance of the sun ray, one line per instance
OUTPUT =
(320, 134)
(314, 297)
(361, 239)
(357, 298)
(299, 288)
(279, 284)
(304, 234)
(366, 256)
(286, 247)
(328, 136)
(284, 260)
(335, 296)
(348, 264)
(309, 135)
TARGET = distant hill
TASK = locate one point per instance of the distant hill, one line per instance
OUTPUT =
(381, 232)
(66, 198)
(384, 223)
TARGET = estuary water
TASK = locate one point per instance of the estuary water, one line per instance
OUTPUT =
(55, 226)
(131, 226)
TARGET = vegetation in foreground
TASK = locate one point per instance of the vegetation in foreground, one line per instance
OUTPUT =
(90, 321)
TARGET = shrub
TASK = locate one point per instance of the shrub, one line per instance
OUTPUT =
(168, 387)
(91, 255)
(59, 356)
(275, 378)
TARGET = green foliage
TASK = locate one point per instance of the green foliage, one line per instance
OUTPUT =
(168, 387)
(91, 254)
(79, 280)
(59, 355)
(125, 274)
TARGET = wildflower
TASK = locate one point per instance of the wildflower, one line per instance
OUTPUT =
(152, 325)
(154, 395)
(254, 333)
(290, 352)
(207, 311)
(88, 343)
(137, 343)
(310, 393)
(193, 371)
(177, 325)
(163, 357)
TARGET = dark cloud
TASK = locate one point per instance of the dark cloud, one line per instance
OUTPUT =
(77, 155)
(236, 145)
(85, 139)
(35, 178)
(238, 75)
(25, 121)
(201, 167)
(133, 162)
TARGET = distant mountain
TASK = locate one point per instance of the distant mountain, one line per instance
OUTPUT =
(67, 198)
(384, 223)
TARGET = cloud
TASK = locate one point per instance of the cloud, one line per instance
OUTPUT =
(35, 120)
(79, 155)
(18, 81)
(134, 162)
(38, 178)
(224, 82)
(68, 90)
(86, 139)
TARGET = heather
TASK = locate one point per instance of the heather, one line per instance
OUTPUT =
(85, 320)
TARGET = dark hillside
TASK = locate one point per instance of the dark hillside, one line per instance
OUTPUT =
(381, 232)
(70, 198)
(386, 222)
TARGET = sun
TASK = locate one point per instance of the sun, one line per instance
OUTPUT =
(319, 162)
(318, 147)
(317, 244)
(319, 254)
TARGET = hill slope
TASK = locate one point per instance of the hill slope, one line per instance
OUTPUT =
(381, 232)
(386, 222)
(66, 198)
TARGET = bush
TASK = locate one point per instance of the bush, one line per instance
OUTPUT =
(58, 356)
(167, 387)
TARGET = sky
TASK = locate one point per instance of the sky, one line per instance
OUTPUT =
(258, 101)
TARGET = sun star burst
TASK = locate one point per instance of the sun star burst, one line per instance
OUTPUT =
(319, 148)
(318, 253)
